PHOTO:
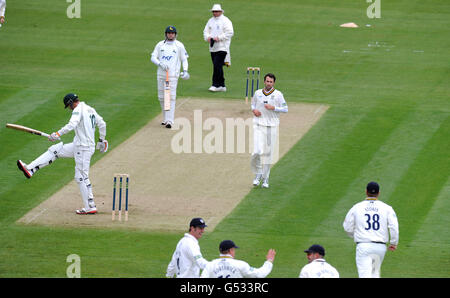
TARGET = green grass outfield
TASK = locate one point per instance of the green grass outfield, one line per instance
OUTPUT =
(389, 120)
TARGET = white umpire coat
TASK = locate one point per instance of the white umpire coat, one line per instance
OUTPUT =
(222, 28)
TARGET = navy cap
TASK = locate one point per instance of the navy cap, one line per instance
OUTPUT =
(198, 222)
(226, 245)
(373, 188)
(171, 29)
(316, 248)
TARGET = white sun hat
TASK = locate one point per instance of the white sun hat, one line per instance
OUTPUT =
(217, 7)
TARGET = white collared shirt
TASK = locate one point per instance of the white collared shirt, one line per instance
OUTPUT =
(187, 260)
(272, 97)
(83, 121)
(318, 268)
(227, 267)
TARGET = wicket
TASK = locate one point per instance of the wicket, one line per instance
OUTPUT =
(127, 179)
(253, 77)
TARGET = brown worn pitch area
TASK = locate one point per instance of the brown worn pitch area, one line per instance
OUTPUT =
(167, 189)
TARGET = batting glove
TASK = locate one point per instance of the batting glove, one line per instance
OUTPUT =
(163, 66)
(185, 75)
(102, 145)
(54, 137)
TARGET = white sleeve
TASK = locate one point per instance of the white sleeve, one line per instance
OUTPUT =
(393, 227)
(154, 55)
(101, 124)
(2, 8)
(250, 272)
(184, 57)
(197, 256)
(206, 31)
(171, 268)
(349, 223)
(282, 105)
(73, 122)
(227, 31)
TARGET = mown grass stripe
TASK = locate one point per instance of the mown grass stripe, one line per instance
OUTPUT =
(419, 188)
(388, 165)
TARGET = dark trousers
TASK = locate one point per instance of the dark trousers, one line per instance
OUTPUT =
(218, 59)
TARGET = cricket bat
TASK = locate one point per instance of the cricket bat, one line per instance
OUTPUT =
(26, 129)
(167, 93)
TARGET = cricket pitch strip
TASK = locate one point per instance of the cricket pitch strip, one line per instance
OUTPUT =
(167, 189)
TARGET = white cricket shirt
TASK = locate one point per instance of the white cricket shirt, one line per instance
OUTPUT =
(227, 267)
(318, 268)
(272, 97)
(83, 121)
(2, 8)
(372, 221)
(171, 53)
(187, 260)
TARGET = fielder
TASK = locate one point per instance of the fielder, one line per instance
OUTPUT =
(83, 121)
(2, 12)
(317, 267)
(267, 104)
(226, 266)
(370, 223)
(187, 260)
(168, 55)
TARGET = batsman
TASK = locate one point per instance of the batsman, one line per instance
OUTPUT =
(83, 121)
(169, 55)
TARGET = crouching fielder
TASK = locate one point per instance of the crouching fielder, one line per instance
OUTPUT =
(168, 55)
(83, 121)
(267, 103)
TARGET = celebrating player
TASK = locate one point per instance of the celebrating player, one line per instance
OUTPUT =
(369, 223)
(317, 267)
(228, 267)
(168, 55)
(187, 260)
(83, 121)
(267, 103)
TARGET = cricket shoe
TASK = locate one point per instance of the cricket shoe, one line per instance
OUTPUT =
(257, 180)
(169, 125)
(83, 211)
(214, 89)
(23, 167)
(265, 183)
(222, 89)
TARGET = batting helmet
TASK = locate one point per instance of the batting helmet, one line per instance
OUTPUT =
(171, 29)
(69, 99)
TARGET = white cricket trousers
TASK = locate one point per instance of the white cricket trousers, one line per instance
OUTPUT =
(369, 257)
(265, 140)
(82, 156)
(168, 116)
